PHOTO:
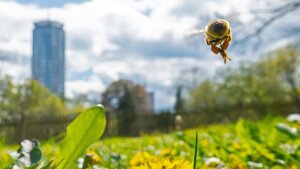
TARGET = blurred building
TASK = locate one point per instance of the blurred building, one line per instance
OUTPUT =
(48, 55)
(146, 99)
(150, 101)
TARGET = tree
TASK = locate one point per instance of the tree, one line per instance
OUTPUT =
(287, 65)
(30, 98)
(263, 16)
(179, 102)
(202, 97)
(127, 100)
(251, 85)
(126, 111)
(6, 97)
(269, 85)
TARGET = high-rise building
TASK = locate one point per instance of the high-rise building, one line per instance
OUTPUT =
(150, 101)
(48, 55)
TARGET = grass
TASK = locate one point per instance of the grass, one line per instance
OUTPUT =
(244, 144)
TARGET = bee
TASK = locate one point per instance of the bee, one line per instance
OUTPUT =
(217, 35)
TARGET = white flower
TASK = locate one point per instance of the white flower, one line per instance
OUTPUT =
(26, 146)
(294, 117)
(291, 130)
(255, 165)
(80, 162)
(25, 160)
(289, 148)
(211, 160)
(14, 154)
(17, 167)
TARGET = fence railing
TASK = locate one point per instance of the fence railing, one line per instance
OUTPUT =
(45, 127)
(40, 128)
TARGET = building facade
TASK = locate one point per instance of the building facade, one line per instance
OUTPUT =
(150, 101)
(48, 55)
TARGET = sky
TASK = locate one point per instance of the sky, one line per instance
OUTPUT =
(138, 40)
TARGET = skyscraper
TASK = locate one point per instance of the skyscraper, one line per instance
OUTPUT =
(48, 55)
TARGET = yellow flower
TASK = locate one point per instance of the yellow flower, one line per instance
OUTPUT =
(141, 157)
(204, 142)
(236, 145)
(94, 157)
(144, 160)
(165, 164)
(5, 158)
(236, 162)
(167, 152)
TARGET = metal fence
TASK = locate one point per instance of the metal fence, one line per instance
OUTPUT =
(40, 128)
(46, 127)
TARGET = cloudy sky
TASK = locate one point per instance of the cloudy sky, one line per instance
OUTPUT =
(139, 40)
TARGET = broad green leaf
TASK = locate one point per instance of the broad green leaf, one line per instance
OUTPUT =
(86, 129)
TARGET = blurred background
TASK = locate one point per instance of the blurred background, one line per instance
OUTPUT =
(60, 56)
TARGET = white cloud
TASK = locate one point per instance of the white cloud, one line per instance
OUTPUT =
(15, 70)
(139, 40)
(84, 86)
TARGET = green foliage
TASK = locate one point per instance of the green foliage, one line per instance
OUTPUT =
(179, 102)
(127, 112)
(203, 97)
(267, 85)
(29, 98)
(241, 145)
(287, 62)
(124, 99)
(249, 136)
(86, 129)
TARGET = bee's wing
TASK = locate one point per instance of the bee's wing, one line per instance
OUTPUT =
(194, 33)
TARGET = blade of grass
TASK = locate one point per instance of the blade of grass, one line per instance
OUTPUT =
(196, 149)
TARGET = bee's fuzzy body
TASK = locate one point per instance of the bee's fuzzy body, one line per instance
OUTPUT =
(217, 32)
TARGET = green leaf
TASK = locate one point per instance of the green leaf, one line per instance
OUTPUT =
(47, 166)
(290, 131)
(35, 155)
(245, 134)
(86, 129)
(32, 167)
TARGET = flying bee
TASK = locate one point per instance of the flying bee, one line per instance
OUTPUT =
(217, 35)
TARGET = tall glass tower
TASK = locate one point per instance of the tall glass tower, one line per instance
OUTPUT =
(48, 55)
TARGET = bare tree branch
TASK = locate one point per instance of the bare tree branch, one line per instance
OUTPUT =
(276, 13)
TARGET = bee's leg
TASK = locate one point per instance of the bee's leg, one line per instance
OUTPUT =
(215, 49)
(230, 37)
(207, 42)
(225, 44)
(224, 55)
(228, 57)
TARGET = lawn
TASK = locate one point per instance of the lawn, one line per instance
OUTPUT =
(272, 142)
